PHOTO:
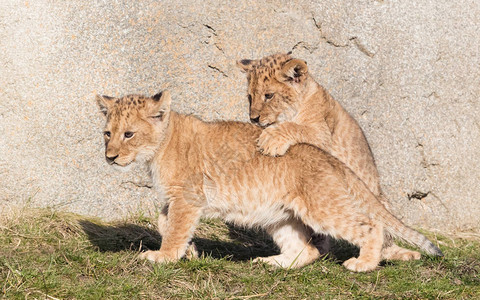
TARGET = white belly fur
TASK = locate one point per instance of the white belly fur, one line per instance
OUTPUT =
(247, 206)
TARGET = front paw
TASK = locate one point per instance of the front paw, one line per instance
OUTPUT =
(272, 143)
(155, 256)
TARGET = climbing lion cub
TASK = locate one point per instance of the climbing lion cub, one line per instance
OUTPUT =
(293, 108)
(285, 99)
(215, 170)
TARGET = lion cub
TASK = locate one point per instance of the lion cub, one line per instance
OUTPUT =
(293, 108)
(214, 170)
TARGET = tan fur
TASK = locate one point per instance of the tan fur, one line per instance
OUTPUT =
(302, 111)
(214, 170)
(191, 251)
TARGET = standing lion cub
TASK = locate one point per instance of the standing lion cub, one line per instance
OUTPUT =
(214, 170)
(293, 108)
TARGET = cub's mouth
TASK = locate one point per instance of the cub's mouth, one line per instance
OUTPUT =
(123, 167)
(261, 123)
(116, 163)
(265, 125)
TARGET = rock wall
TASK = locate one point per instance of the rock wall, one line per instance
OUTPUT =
(407, 71)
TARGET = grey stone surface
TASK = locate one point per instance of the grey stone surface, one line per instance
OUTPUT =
(408, 71)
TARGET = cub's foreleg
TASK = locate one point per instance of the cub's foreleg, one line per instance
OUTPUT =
(162, 220)
(191, 251)
(276, 139)
(182, 219)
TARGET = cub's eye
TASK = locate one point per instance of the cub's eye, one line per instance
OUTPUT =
(268, 96)
(250, 99)
(159, 116)
(128, 134)
(107, 133)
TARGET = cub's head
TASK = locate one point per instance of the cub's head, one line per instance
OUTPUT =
(275, 84)
(135, 127)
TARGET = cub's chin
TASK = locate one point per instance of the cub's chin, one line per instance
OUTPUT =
(125, 168)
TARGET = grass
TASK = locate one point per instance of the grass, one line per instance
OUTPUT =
(53, 255)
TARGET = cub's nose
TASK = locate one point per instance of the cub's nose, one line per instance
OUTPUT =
(255, 120)
(111, 159)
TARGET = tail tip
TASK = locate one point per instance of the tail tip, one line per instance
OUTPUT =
(434, 250)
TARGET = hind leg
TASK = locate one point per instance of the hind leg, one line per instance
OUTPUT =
(356, 229)
(293, 239)
(395, 252)
(391, 251)
(370, 239)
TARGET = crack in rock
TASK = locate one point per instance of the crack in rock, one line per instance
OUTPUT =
(305, 46)
(214, 32)
(219, 47)
(324, 37)
(432, 94)
(355, 40)
(425, 163)
(138, 184)
(361, 47)
(218, 70)
(214, 37)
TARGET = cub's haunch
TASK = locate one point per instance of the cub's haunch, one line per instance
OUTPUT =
(214, 170)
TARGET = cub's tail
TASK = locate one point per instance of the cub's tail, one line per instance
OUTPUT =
(396, 228)
(392, 225)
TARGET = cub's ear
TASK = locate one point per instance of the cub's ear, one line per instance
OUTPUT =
(246, 65)
(104, 103)
(164, 98)
(293, 71)
(160, 106)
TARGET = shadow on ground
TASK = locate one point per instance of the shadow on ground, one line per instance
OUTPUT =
(120, 237)
(244, 244)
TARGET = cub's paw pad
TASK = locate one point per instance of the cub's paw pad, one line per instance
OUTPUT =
(358, 265)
